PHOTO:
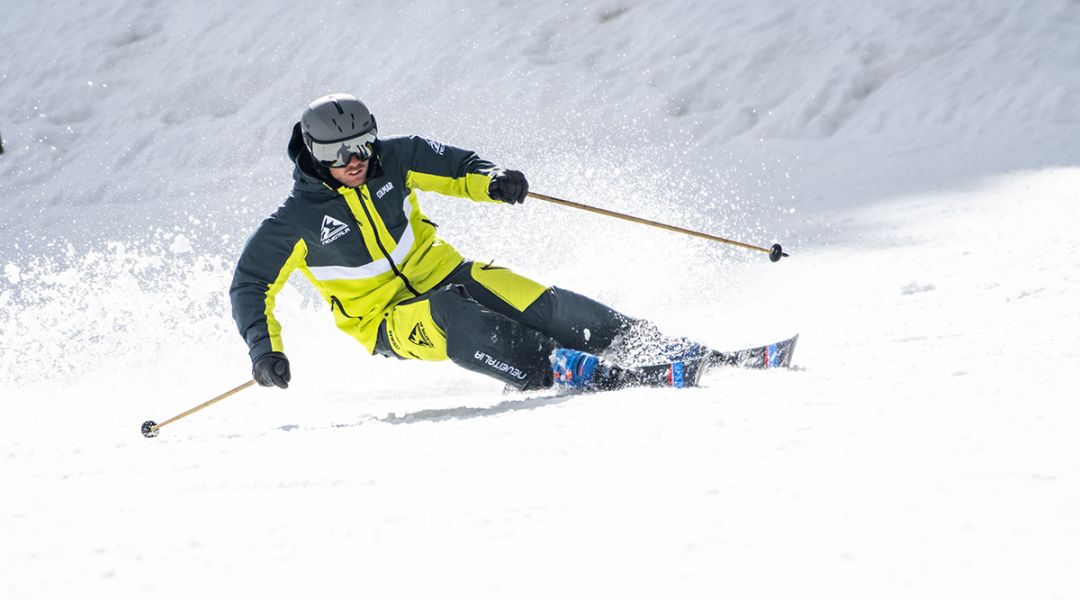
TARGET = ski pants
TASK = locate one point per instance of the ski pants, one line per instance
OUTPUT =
(489, 319)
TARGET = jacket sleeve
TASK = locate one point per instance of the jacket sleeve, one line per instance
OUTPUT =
(436, 167)
(269, 256)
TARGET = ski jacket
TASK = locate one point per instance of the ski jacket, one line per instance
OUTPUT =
(364, 249)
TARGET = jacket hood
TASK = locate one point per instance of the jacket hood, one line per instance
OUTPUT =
(308, 174)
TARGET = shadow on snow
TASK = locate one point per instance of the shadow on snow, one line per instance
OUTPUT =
(468, 412)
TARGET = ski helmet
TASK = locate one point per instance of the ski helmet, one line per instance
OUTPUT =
(337, 126)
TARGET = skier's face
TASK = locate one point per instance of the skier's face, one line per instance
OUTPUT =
(352, 174)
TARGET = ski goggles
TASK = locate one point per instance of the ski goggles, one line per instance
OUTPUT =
(338, 153)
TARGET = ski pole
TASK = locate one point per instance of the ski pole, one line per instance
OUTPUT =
(151, 429)
(775, 253)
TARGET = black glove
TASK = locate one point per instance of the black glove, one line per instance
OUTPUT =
(508, 186)
(271, 369)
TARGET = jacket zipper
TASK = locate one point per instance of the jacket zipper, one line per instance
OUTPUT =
(335, 302)
(393, 266)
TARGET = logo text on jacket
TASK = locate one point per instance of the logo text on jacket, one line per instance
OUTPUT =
(332, 229)
(438, 147)
(386, 188)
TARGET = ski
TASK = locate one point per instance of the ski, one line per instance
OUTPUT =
(680, 374)
(772, 356)
(686, 373)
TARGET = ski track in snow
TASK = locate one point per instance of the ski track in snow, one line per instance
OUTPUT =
(919, 163)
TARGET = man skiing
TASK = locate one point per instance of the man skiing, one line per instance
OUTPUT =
(353, 226)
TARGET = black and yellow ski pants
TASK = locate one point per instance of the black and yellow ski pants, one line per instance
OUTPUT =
(491, 320)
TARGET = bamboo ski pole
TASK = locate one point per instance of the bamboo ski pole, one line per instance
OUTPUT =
(151, 429)
(775, 252)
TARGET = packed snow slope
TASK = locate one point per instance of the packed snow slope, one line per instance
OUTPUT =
(920, 162)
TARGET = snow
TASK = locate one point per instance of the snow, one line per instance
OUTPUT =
(919, 161)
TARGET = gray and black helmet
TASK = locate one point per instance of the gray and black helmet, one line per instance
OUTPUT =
(336, 127)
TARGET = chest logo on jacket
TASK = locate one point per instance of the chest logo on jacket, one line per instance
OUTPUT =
(332, 229)
(386, 188)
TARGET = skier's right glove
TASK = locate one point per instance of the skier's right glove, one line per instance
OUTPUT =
(271, 369)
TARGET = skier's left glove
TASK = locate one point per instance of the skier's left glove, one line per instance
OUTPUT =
(508, 186)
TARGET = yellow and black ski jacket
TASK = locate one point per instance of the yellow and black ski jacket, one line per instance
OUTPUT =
(364, 249)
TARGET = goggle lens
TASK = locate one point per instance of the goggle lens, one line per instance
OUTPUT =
(338, 154)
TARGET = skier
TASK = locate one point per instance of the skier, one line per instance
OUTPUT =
(353, 226)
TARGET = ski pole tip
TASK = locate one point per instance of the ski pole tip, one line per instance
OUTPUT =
(777, 253)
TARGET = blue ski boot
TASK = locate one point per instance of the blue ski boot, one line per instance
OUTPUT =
(573, 368)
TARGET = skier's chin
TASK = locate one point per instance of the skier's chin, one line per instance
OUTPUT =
(352, 177)
(351, 180)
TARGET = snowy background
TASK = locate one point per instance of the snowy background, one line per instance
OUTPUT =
(920, 161)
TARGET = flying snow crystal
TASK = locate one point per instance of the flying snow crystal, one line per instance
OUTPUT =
(12, 273)
(180, 244)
